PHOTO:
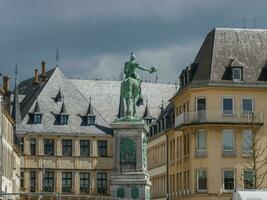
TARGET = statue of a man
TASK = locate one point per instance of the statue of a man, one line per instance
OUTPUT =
(131, 85)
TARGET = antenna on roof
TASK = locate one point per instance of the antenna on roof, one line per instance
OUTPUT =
(57, 57)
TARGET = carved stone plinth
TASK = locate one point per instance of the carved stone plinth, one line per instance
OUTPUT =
(130, 179)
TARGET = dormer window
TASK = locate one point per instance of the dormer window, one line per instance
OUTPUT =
(237, 73)
(36, 115)
(37, 118)
(90, 116)
(91, 120)
(63, 116)
(63, 119)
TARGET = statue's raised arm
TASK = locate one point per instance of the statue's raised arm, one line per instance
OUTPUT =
(131, 85)
(150, 70)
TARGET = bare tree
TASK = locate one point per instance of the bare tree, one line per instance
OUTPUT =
(256, 159)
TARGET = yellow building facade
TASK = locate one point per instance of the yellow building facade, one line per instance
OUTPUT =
(219, 108)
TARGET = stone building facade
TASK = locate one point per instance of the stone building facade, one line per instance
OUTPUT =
(10, 154)
(65, 133)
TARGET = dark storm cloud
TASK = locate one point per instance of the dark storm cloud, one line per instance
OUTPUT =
(96, 37)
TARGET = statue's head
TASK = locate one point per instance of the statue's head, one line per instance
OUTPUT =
(132, 57)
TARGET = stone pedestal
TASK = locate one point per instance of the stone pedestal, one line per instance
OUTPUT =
(130, 179)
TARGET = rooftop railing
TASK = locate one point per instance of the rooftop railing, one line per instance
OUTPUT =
(218, 117)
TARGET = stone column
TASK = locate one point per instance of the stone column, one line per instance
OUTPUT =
(76, 147)
(58, 181)
(76, 181)
(27, 145)
(40, 146)
(93, 184)
(27, 181)
(39, 180)
(58, 147)
(94, 147)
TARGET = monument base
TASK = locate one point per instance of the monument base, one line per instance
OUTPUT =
(132, 185)
(130, 179)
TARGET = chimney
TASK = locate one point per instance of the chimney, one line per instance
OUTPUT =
(7, 93)
(36, 81)
(6, 84)
(43, 69)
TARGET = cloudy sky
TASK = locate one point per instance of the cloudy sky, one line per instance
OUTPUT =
(96, 37)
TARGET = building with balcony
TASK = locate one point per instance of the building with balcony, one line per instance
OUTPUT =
(219, 108)
(63, 126)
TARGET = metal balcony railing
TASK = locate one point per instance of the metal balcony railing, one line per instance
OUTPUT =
(218, 116)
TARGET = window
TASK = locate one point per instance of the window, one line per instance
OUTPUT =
(37, 118)
(84, 182)
(33, 181)
(22, 180)
(228, 106)
(84, 147)
(91, 120)
(66, 182)
(102, 148)
(67, 147)
(64, 119)
(237, 74)
(49, 181)
(101, 183)
(49, 147)
(247, 105)
(247, 141)
(33, 146)
(202, 180)
(201, 140)
(229, 179)
(249, 179)
(228, 140)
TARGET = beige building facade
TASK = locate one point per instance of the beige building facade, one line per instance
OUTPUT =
(10, 154)
(63, 126)
(47, 167)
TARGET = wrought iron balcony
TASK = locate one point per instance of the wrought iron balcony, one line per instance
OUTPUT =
(218, 117)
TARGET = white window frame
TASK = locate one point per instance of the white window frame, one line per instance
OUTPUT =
(240, 72)
(233, 102)
(242, 105)
(234, 145)
(197, 131)
(197, 172)
(223, 180)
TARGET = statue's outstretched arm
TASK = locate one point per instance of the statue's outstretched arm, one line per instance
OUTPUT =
(150, 70)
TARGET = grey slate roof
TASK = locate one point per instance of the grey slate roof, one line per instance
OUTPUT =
(224, 48)
(105, 106)
(106, 95)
